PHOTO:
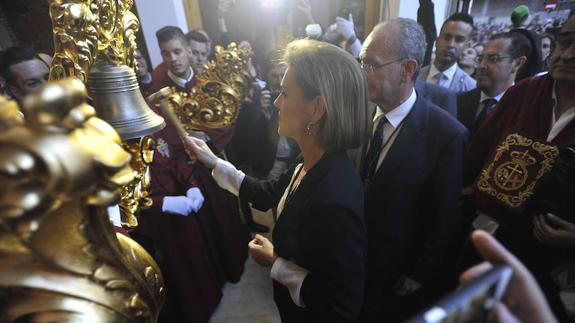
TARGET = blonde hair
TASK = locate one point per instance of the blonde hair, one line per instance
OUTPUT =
(327, 71)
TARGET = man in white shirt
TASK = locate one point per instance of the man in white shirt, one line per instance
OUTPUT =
(497, 68)
(453, 39)
(411, 170)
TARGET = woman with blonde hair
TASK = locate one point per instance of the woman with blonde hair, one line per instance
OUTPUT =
(319, 242)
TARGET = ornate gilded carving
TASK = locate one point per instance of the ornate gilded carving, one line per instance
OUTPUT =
(86, 30)
(75, 38)
(60, 257)
(216, 99)
(116, 27)
(135, 195)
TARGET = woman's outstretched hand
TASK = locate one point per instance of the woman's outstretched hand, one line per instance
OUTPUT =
(197, 149)
(262, 251)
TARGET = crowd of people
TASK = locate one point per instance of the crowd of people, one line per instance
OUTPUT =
(368, 159)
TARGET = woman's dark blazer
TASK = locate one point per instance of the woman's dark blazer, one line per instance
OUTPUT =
(321, 229)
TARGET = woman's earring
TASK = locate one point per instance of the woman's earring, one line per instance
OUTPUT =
(308, 129)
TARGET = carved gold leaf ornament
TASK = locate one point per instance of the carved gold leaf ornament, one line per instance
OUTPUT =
(215, 101)
(135, 195)
(59, 254)
(75, 38)
(212, 105)
(10, 114)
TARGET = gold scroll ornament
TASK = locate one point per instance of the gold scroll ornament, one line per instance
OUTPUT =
(60, 258)
(215, 100)
(86, 30)
(90, 33)
(516, 167)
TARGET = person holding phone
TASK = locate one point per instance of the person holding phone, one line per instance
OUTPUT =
(523, 300)
(319, 245)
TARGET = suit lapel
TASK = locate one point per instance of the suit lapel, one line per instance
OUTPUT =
(405, 142)
(302, 194)
(468, 108)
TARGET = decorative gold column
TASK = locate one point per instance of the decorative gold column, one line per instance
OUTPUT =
(99, 37)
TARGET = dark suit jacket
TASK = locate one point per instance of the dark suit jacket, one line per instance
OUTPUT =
(440, 96)
(254, 145)
(467, 105)
(322, 230)
(411, 204)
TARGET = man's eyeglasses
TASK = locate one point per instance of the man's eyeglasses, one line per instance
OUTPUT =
(490, 59)
(370, 68)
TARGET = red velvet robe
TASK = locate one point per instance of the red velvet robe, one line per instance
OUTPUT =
(526, 109)
(197, 253)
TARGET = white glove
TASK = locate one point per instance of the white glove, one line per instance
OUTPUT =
(313, 31)
(345, 27)
(195, 195)
(180, 205)
(224, 7)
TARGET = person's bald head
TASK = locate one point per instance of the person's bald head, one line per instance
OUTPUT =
(392, 56)
(383, 37)
(400, 37)
(562, 60)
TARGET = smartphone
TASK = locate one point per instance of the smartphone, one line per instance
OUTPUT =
(472, 302)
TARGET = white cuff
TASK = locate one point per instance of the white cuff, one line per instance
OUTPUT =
(228, 177)
(291, 276)
(114, 215)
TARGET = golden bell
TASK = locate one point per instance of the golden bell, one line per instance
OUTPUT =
(117, 98)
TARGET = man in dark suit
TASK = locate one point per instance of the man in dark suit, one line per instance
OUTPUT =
(440, 96)
(497, 68)
(412, 171)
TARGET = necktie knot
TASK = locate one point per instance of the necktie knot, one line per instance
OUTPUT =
(439, 78)
(377, 139)
(488, 105)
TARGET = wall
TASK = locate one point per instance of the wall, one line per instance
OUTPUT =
(29, 22)
(156, 14)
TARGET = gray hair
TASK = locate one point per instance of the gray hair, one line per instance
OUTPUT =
(327, 71)
(410, 41)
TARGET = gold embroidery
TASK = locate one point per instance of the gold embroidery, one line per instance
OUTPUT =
(516, 167)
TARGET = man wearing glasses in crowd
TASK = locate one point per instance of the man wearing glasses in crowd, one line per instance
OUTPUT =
(497, 67)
